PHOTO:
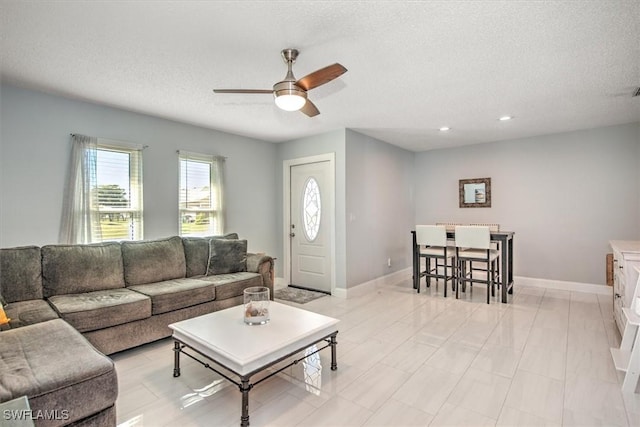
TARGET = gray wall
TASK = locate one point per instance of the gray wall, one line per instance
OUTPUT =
(374, 208)
(34, 156)
(332, 142)
(565, 195)
(379, 208)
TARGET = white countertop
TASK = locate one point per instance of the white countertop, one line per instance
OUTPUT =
(626, 245)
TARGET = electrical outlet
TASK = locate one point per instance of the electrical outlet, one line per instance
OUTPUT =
(389, 262)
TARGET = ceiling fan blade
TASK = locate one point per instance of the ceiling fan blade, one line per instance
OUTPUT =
(321, 76)
(270, 91)
(310, 109)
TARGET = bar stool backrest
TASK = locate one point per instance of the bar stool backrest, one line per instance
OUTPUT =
(492, 227)
(450, 226)
(431, 235)
(471, 236)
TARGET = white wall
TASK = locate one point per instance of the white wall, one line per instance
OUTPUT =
(34, 155)
(379, 208)
(565, 196)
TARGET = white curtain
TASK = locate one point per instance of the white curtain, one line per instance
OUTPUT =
(80, 216)
(217, 176)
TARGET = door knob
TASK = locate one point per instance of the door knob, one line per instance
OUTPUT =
(292, 234)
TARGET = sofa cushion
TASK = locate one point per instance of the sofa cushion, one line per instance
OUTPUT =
(101, 309)
(20, 273)
(196, 253)
(150, 261)
(57, 369)
(233, 284)
(73, 269)
(171, 295)
(23, 313)
(227, 256)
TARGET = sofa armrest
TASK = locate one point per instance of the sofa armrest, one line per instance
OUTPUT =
(263, 264)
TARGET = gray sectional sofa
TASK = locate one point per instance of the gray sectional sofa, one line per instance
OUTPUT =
(70, 305)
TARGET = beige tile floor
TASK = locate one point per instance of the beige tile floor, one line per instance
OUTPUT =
(408, 359)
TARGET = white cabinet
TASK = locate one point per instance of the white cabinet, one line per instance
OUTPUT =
(627, 358)
(626, 256)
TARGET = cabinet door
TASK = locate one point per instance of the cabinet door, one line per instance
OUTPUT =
(618, 303)
(618, 291)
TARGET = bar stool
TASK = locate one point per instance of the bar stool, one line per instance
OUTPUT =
(432, 245)
(473, 244)
(450, 227)
(493, 228)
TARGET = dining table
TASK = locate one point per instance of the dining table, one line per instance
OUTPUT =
(505, 242)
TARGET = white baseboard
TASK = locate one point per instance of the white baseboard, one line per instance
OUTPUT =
(279, 283)
(395, 277)
(563, 285)
(367, 287)
(339, 293)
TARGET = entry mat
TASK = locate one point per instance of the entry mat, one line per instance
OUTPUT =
(297, 295)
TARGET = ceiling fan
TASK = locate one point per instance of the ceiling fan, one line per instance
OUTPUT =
(291, 94)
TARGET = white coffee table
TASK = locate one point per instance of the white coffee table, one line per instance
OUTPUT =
(222, 337)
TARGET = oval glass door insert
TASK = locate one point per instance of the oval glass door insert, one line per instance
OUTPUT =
(311, 209)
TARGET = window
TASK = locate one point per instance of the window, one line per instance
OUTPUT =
(200, 195)
(119, 188)
(103, 197)
(311, 209)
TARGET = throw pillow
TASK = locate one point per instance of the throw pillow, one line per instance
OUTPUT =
(3, 316)
(227, 256)
(196, 252)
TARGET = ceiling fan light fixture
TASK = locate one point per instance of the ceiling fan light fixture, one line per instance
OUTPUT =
(289, 97)
(290, 102)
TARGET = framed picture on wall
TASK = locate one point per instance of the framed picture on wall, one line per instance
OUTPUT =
(475, 193)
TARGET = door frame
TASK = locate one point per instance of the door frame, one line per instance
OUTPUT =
(331, 211)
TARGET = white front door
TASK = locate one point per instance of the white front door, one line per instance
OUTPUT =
(311, 217)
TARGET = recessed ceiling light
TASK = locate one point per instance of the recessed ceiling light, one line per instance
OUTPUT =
(444, 129)
(505, 118)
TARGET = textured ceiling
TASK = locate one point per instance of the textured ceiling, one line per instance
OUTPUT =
(413, 66)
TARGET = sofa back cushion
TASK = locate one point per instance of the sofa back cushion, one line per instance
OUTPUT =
(20, 273)
(73, 269)
(227, 256)
(196, 253)
(150, 261)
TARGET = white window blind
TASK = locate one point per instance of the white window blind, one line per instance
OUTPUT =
(200, 200)
(119, 187)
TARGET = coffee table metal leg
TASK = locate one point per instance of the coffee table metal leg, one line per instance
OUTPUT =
(333, 343)
(176, 359)
(244, 385)
(244, 388)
